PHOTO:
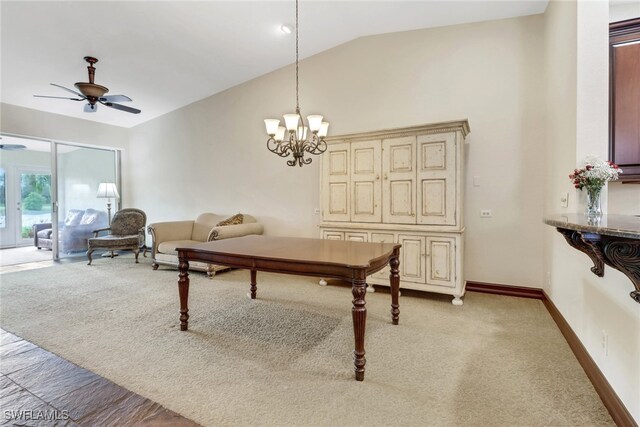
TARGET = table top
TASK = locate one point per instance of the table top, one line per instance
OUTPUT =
(338, 252)
(609, 225)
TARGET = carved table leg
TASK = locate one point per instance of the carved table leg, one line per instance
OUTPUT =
(394, 278)
(155, 265)
(254, 284)
(359, 313)
(183, 289)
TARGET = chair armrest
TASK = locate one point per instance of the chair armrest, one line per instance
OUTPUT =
(168, 231)
(239, 230)
(98, 230)
(41, 226)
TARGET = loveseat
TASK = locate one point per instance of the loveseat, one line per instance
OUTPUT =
(167, 236)
(74, 231)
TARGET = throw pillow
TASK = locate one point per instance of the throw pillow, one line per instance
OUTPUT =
(90, 217)
(234, 220)
(73, 217)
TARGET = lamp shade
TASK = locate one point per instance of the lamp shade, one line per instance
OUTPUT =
(272, 126)
(315, 121)
(107, 190)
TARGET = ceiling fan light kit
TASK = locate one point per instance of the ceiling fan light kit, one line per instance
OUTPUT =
(291, 139)
(94, 93)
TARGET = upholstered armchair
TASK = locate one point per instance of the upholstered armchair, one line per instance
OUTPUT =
(126, 232)
(167, 236)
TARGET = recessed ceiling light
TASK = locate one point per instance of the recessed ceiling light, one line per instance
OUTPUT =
(285, 28)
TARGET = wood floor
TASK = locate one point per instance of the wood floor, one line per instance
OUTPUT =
(38, 388)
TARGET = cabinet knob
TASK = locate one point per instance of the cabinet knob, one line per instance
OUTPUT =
(412, 214)
(385, 177)
(377, 176)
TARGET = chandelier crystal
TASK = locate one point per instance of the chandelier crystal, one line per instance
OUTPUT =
(297, 137)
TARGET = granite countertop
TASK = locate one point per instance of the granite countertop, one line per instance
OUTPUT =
(609, 225)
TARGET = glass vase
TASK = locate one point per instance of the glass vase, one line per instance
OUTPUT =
(593, 202)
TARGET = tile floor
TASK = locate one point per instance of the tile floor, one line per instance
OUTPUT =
(38, 388)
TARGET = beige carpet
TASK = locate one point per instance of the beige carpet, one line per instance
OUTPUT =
(285, 359)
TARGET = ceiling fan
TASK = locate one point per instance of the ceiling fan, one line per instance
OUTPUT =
(94, 93)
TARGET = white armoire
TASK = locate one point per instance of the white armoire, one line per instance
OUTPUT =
(403, 186)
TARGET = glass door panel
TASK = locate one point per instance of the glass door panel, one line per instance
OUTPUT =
(80, 211)
(35, 203)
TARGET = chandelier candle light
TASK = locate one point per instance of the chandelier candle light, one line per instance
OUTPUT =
(295, 141)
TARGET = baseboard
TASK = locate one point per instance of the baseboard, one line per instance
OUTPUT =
(612, 402)
(610, 399)
(513, 291)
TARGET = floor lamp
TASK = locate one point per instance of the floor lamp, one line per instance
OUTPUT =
(108, 190)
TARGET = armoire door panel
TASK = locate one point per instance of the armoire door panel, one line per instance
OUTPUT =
(355, 236)
(365, 181)
(412, 258)
(437, 179)
(441, 261)
(333, 235)
(399, 180)
(338, 196)
(434, 156)
(336, 183)
(338, 161)
(434, 193)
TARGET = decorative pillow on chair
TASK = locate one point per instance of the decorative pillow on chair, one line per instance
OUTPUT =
(234, 220)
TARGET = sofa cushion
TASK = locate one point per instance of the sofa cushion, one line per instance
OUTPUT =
(92, 216)
(234, 220)
(170, 246)
(74, 216)
(45, 234)
(203, 225)
(114, 241)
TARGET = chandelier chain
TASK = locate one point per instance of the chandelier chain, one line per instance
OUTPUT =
(297, 79)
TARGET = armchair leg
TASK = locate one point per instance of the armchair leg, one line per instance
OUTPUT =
(155, 265)
(136, 251)
(89, 252)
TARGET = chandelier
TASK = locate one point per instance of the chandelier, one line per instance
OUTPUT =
(297, 137)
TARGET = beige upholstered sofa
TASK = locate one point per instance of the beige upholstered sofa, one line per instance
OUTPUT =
(167, 236)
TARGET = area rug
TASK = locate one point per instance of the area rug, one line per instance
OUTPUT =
(285, 358)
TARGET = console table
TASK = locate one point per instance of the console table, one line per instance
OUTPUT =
(612, 240)
(351, 261)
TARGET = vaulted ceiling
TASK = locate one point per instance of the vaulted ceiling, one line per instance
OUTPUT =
(165, 55)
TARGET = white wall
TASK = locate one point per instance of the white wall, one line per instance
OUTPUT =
(576, 57)
(624, 11)
(211, 155)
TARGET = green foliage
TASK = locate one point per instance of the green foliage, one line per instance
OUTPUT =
(27, 232)
(33, 202)
(36, 183)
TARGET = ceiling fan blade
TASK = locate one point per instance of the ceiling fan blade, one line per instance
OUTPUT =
(59, 97)
(121, 107)
(115, 98)
(88, 108)
(69, 90)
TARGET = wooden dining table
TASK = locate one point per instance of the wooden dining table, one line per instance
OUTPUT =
(335, 259)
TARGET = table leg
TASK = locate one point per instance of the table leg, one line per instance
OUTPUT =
(359, 313)
(254, 285)
(394, 278)
(183, 289)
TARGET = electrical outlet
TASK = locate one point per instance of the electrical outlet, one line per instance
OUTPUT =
(605, 343)
(476, 180)
(316, 211)
(486, 213)
(564, 200)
